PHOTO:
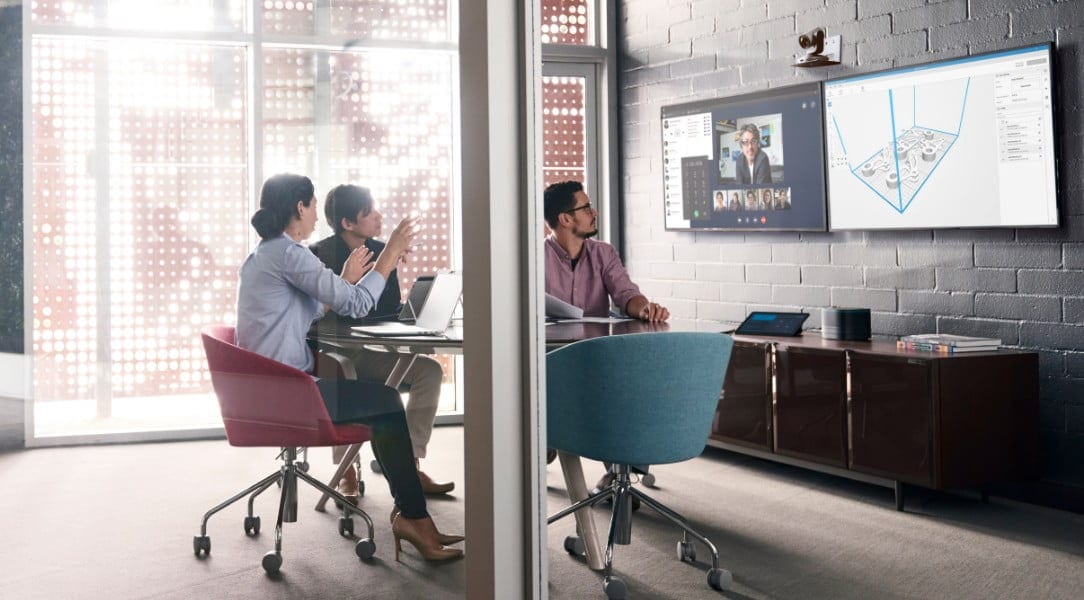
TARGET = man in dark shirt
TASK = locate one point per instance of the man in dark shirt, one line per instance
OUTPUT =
(350, 212)
(334, 250)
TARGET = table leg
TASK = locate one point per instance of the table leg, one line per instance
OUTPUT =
(399, 371)
(395, 378)
(347, 459)
(572, 469)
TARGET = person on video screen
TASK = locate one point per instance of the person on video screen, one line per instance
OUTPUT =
(753, 166)
(782, 199)
(751, 201)
(735, 202)
(766, 199)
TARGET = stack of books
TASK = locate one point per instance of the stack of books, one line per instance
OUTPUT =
(947, 343)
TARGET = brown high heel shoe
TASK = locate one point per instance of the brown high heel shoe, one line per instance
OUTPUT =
(348, 487)
(445, 539)
(411, 530)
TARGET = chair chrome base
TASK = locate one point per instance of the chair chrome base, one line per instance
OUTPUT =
(622, 493)
(287, 477)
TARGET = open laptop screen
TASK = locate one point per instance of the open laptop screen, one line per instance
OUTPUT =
(416, 299)
(434, 317)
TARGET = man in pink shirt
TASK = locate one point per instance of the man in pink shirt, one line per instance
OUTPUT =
(584, 272)
(587, 273)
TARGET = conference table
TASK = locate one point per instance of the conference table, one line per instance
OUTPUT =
(338, 334)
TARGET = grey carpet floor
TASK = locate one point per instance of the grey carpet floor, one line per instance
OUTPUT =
(117, 522)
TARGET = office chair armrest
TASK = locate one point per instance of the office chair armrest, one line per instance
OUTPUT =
(333, 364)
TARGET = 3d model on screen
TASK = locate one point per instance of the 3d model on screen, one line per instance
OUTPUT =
(898, 169)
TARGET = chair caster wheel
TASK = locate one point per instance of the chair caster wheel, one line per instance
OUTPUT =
(575, 546)
(365, 548)
(303, 466)
(346, 526)
(252, 525)
(614, 588)
(720, 579)
(686, 552)
(361, 488)
(201, 544)
(271, 562)
(648, 480)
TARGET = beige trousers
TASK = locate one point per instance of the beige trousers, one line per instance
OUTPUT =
(423, 378)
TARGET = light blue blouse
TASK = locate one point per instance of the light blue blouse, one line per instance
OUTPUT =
(283, 288)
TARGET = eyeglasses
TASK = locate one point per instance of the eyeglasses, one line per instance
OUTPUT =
(748, 142)
(584, 207)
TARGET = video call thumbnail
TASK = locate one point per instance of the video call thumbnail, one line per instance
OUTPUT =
(751, 199)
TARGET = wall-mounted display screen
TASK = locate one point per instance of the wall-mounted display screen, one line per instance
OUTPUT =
(753, 162)
(967, 142)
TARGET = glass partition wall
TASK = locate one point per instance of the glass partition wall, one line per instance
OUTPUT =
(153, 124)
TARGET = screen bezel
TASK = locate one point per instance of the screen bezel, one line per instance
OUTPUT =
(1055, 137)
(676, 110)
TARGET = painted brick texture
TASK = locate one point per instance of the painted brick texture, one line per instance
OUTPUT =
(1025, 286)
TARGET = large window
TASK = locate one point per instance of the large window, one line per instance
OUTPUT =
(153, 124)
(575, 86)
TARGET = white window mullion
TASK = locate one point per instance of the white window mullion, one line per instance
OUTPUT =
(255, 107)
(101, 171)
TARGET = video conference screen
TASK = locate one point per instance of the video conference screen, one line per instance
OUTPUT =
(967, 142)
(752, 162)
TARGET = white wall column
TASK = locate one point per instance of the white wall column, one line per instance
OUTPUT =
(500, 70)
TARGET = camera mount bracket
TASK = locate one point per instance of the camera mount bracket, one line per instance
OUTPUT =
(822, 56)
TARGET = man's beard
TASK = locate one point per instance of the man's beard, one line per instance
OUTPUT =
(583, 235)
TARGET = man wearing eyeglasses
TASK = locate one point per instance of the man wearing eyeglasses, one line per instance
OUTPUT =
(587, 273)
(753, 166)
(584, 272)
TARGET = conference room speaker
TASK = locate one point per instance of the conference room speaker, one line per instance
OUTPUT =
(845, 324)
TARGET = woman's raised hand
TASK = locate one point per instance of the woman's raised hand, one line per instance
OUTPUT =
(357, 264)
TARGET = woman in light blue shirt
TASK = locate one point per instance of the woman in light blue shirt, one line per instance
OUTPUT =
(284, 288)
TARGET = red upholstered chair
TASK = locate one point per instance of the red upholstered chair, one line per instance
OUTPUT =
(267, 403)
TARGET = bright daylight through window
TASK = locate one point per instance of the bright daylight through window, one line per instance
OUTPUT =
(146, 166)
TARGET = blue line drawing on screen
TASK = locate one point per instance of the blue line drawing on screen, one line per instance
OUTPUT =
(898, 171)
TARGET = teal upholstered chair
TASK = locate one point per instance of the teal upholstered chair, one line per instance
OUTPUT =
(645, 398)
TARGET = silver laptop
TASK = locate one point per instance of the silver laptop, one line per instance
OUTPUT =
(435, 315)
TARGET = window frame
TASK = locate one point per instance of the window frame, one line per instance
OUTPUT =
(589, 73)
(599, 61)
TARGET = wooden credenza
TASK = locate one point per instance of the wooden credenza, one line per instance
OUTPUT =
(869, 411)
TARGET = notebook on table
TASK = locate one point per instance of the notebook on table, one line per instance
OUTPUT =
(434, 316)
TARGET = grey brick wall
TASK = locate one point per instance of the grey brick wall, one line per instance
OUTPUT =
(1025, 286)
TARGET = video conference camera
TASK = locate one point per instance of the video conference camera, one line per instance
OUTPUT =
(812, 39)
(820, 50)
